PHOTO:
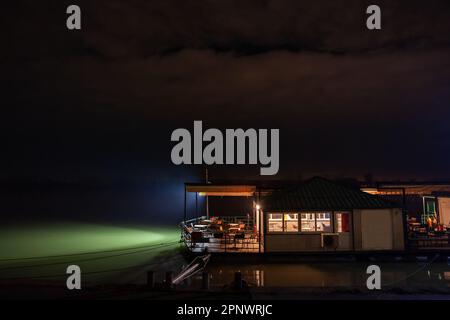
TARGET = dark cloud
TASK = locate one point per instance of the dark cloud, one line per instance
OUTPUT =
(348, 101)
(139, 28)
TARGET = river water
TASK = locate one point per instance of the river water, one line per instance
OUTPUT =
(405, 275)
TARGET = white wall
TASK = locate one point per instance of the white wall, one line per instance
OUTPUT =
(376, 230)
(380, 229)
(444, 210)
(293, 242)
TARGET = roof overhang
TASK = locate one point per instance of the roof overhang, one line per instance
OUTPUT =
(222, 190)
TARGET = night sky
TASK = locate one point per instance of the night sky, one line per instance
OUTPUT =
(100, 104)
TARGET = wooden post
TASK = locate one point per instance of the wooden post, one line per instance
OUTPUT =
(205, 280)
(238, 280)
(150, 279)
(169, 278)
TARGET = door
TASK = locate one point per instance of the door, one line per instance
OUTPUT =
(376, 229)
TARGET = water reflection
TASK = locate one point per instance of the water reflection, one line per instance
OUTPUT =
(332, 275)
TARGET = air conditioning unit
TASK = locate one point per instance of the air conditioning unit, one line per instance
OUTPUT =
(330, 241)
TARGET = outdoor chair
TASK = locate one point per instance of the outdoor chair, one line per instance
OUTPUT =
(239, 238)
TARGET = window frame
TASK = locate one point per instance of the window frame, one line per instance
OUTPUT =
(269, 216)
(285, 224)
(332, 220)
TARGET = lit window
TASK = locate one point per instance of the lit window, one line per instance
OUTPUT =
(275, 222)
(316, 222)
(343, 222)
(291, 222)
(308, 222)
(430, 209)
(323, 222)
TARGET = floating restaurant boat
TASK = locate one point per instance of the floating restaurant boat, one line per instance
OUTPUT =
(314, 216)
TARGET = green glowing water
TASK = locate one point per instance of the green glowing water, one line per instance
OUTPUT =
(55, 239)
(110, 253)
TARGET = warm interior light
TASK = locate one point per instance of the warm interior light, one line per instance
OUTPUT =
(258, 207)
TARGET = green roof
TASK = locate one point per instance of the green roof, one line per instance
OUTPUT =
(322, 194)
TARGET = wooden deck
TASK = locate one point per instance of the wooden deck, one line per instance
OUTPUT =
(442, 242)
(205, 239)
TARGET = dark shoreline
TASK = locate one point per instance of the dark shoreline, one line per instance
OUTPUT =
(437, 255)
(141, 292)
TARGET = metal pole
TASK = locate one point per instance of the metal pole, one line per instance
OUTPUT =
(196, 204)
(259, 230)
(207, 199)
(185, 207)
(183, 235)
(150, 279)
(405, 221)
(258, 212)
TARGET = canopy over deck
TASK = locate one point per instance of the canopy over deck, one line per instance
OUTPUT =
(221, 189)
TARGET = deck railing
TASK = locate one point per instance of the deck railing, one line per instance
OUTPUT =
(227, 240)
